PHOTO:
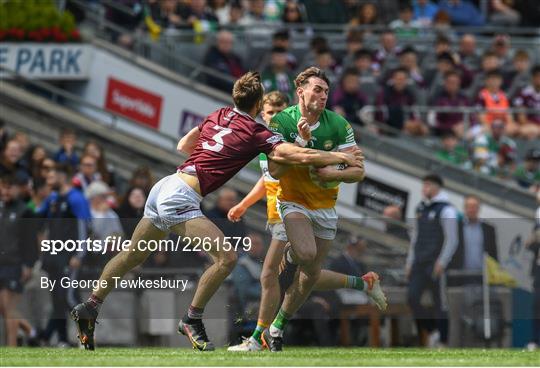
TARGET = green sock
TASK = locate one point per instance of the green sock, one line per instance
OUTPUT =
(354, 282)
(258, 332)
(281, 320)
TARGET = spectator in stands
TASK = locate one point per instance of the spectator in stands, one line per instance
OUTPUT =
(94, 149)
(325, 61)
(529, 97)
(131, 209)
(66, 154)
(87, 174)
(105, 222)
(142, 177)
(222, 59)
(130, 21)
(68, 216)
(221, 10)
(405, 25)
(503, 14)
(502, 48)
(496, 103)
(450, 97)
(281, 40)
(491, 147)
(18, 248)
(293, 14)
(40, 191)
(462, 13)
(366, 15)
(533, 244)
(200, 15)
(347, 100)
(167, 14)
(325, 11)
(247, 273)
(490, 62)
(391, 102)
(451, 150)
(254, 14)
(227, 199)
(277, 77)
(24, 143)
(408, 59)
(519, 75)
(468, 52)
(315, 44)
(441, 45)
(424, 12)
(3, 135)
(46, 165)
(363, 62)
(386, 55)
(432, 248)
(355, 41)
(234, 16)
(10, 160)
(351, 261)
(476, 237)
(36, 155)
(527, 175)
(442, 24)
(395, 213)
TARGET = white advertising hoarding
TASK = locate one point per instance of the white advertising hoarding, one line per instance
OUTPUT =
(47, 61)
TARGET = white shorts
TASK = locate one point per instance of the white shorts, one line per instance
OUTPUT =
(324, 221)
(171, 201)
(277, 229)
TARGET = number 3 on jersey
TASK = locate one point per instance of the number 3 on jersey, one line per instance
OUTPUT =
(217, 138)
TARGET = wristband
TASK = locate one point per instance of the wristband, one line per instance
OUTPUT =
(301, 141)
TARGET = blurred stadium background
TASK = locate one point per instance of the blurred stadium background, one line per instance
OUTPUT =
(109, 87)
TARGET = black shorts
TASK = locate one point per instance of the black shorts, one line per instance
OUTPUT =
(10, 278)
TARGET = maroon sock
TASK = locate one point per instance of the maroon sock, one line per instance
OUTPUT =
(195, 312)
(94, 302)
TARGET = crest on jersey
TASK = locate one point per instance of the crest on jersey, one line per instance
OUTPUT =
(328, 145)
(274, 139)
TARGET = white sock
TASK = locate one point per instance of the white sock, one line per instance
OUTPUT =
(275, 332)
(253, 341)
(33, 333)
(289, 258)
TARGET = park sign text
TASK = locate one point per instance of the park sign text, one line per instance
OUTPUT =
(46, 61)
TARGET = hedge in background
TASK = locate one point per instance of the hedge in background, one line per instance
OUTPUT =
(36, 21)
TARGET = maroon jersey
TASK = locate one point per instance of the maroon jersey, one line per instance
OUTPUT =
(229, 139)
(529, 98)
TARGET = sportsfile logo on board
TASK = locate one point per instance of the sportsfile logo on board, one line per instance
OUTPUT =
(133, 102)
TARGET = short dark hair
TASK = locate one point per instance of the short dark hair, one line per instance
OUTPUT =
(64, 169)
(362, 53)
(442, 39)
(494, 74)
(248, 91)
(535, 70)
(452, 73)
(282, 34)
(400, 70)
(449, 134)
(303, 78)
(407, 50)
(8, 180)
(434, 178)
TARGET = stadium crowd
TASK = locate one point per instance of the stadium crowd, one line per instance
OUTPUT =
(383, 69)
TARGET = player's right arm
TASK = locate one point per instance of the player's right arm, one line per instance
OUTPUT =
(289, 154)
(256, 194)
(188, 142)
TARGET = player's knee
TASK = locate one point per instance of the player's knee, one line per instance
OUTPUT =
(227, 261)
(305, 256)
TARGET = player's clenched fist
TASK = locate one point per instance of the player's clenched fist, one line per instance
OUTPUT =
(303, 129)
(236, 213)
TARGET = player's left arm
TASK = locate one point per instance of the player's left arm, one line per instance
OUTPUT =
(188, 142)
(351, 174)
(346, 144)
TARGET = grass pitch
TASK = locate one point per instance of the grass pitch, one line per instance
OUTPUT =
(291, 357)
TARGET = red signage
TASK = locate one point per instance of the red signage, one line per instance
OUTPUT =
(133, 102)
